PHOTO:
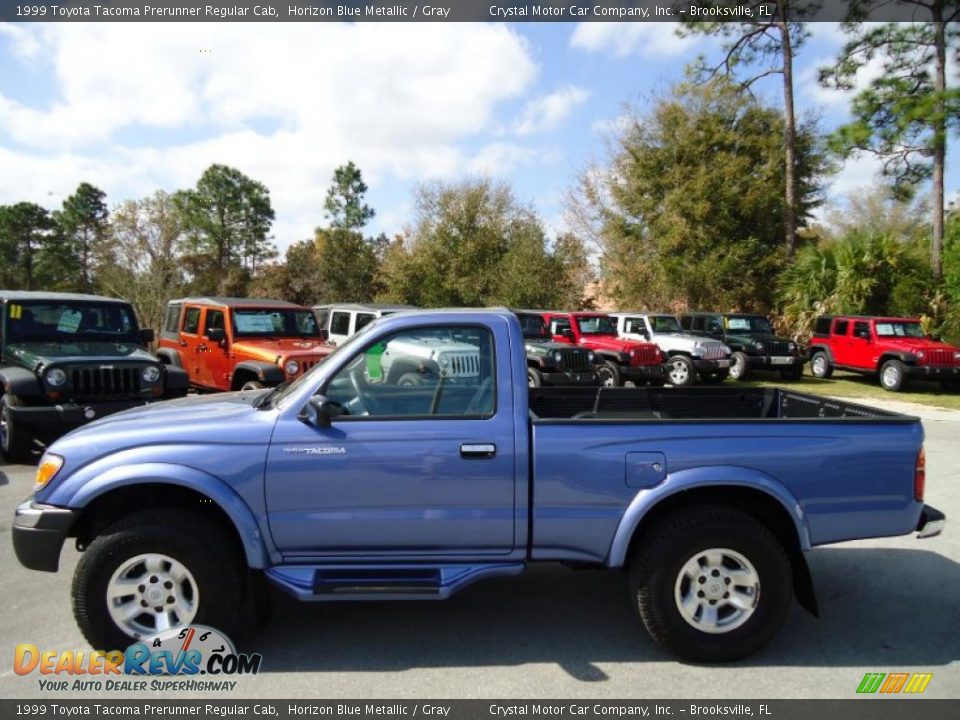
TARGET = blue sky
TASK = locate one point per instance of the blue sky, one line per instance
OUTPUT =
(136, 107)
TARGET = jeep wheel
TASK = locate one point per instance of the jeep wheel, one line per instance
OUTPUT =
(534, 377)
(711, 584)
(738, 366)
(16, 442)
(893, 376)
(153, 570)
(410, 379)
(792, 374)
(252, 385)
(680, 372)
(609, 374)
(820, 365)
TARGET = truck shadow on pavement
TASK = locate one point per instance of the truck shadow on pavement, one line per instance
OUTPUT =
(879, 607)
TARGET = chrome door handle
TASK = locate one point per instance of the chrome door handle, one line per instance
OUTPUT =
(478, 451)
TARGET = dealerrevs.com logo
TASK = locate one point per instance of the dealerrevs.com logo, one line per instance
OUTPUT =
(191, 651)
(894, 683)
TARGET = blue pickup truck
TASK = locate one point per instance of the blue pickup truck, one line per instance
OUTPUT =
(344, 486)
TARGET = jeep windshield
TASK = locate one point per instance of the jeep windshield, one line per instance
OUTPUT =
(900, 329)
(665, 324)
(64, 321)
(597, 325)
(270, 322)
(748, 325)
(533, 327)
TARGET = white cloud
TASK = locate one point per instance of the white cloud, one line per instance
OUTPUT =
(139, 106)
(548, 111)
(627, 38)
(614, 126)
(499, 158)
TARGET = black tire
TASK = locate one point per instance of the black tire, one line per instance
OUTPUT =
(715, 378)
(739, 369)
(209, 553)
(609, 374)
(893, 376)
(252, 385)
(680, 371)
(657, 568)
(534, 377)
(792, 374)
(16, 441)
(410, 379)
(820, 365)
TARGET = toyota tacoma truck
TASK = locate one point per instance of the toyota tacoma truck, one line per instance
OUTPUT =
(688, 356)
(339, 488)
(67, 359)
(552, 363)
(620, 360)
(892, 349)
(240, 343)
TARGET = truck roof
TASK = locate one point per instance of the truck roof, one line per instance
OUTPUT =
(365, 306)
(882, 318)
(26, 295)
(721, 312)
(238, 302)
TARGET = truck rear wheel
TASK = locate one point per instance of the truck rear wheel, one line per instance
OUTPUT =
(711, 584)
(16, 442)
(893, 375)
(609, 374)
(680, 371)
(154, 570)
(820, 365)
(738, 366)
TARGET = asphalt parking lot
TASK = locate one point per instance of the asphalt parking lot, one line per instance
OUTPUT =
(887, 605)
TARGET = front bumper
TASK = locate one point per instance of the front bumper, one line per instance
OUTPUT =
(708, 366)
(641, 373)
(38, 534)
(931, 522)
(934, 372)
(570, 379)
(775, 362)
(65, 417)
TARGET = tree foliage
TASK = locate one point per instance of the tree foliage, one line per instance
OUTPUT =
(691, 206)
(345, 208)
(83, 225)
(30, 247)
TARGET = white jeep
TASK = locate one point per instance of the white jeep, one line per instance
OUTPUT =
(687, 355)
(428, 357)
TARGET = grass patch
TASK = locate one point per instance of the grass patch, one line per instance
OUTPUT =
(861, 387)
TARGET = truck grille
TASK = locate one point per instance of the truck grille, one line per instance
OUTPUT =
(646, 355)
(575, 360)
(774, 347)
(938, 357)
(105, 382)
(714, 351)
(463, 365)
(307, 365)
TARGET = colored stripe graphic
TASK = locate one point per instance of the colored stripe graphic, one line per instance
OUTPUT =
(918, 683)
(870, 682)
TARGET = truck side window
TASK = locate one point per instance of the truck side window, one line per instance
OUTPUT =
(172, 319)
(840, 328)
(420, 372)
(191, 320)
(558, 325)
(214, 321)
(714, 325)
(861, 330)
(340, 323)
(364, 319)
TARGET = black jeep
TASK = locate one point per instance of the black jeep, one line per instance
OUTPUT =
(752, 341)
(66, 360)
(553, 363)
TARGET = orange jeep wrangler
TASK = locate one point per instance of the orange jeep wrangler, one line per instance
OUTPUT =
(240, 343)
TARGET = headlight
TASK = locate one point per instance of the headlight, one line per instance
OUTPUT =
(758, 345)
(557, 356)
(792, 347)
(56, 377)
(920, 355)
(956, 356)
(591, 357)
(49, 466)
(445, 361)
(292, 367)
(150, 374)
(633, 353)
(698, 348)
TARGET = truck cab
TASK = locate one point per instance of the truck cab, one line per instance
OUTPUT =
(894, 349)
(688, 356)
(343, 320)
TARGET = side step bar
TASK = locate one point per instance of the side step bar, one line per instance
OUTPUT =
(391, 582)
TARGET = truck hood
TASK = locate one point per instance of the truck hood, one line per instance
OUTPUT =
(612, 342)
(268, 350)
(33, 354)
(685, 341)
(915, 344)
(542, 347)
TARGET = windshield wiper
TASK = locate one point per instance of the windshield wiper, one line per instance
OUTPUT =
(268, 396)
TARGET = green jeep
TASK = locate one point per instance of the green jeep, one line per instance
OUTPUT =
(66, 360)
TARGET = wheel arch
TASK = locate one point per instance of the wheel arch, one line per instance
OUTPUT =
(821, 348)
(263, 372)
(169, 356)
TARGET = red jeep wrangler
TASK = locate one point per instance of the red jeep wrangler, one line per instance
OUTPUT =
(240, 344)
(895, 349)
(622, 360)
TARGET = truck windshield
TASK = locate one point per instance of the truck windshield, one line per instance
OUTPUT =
(533, 327)
(270, 322)
(900, 329)
(597, 325)
(749, 324)
(63, 321)
(665, 324)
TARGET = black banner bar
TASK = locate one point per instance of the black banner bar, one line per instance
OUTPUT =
(449, 11)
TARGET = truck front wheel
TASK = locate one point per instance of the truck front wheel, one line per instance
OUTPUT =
(154, 570)
(711, 584)
(739, 369)
(893, 375)
(609, 374)
(680, 371)
(534, 377)
(820, 365)
(16, 442)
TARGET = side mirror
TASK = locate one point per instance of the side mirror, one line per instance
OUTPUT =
(320, 411)
(148, 335)
(864, 335)
(216, 335)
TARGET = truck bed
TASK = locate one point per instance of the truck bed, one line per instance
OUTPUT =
(699, 403)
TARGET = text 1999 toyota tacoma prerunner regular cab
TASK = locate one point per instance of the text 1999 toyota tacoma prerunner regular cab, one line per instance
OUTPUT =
(342, 486)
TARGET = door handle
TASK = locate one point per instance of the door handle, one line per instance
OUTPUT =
(183, 343)
(478, 451)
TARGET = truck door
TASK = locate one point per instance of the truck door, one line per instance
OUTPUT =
(841, 343)
(214, 356)
(413, 470)
(859, 345)
(190, 342)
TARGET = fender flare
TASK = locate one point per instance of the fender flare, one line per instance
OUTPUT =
(822, 348)
(169, 356)
(702, 477)
(244, 522)
(905, 357)
(267, 373)
(19, 381)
